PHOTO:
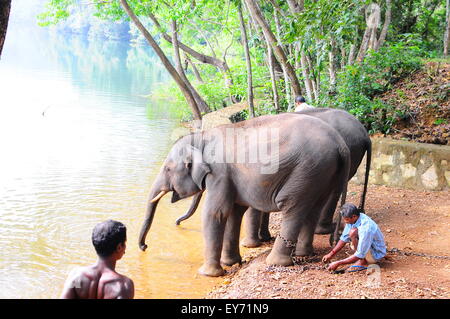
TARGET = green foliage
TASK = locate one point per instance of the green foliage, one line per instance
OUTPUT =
(440, 121)
(359, 84)
(324, 26)
(167, 99)
(57, 10)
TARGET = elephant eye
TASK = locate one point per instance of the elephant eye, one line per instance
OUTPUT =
(189, 165)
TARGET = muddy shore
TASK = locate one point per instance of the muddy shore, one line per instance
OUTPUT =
(415, 222)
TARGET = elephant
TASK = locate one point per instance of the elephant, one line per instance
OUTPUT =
(308, 162)
(357, 140)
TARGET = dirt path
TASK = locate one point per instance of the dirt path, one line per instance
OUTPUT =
(417, 221)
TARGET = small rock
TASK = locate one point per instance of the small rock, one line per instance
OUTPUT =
(227, 281)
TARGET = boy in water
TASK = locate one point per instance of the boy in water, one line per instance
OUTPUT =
(364, 237)
(101, 281)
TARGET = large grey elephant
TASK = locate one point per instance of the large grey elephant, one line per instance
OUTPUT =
(309, 161)
(357, 140)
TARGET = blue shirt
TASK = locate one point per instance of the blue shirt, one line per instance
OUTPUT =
(370, 237)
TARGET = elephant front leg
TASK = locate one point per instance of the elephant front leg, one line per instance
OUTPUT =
(214, 218)
(213, 234)
(230, 249)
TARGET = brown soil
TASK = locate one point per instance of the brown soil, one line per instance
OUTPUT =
(424, 99)
(412, 221)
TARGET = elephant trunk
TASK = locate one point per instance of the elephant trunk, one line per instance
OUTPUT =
(155, 195)
(192, 208)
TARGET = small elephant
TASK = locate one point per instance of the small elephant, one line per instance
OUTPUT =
(357, 140)
(308, 162)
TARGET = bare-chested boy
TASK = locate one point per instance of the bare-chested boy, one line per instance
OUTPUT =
(101, 281)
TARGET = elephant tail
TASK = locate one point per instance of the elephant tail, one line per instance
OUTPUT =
(366, 177)
(345, 161)
(342, 186)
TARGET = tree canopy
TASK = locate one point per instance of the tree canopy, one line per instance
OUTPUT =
(335, 53)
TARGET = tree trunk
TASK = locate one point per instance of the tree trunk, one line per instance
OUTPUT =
(343, 57)
(281, 56)
(351, 54)
(294, 6)
(272, 78)
(248, 62)
(196, 55)
(277, 7)
(305, 71)
(447, 30)
(387, 22)
(370, 35)
(315, 81)
(172, 71)
(221, 65)
(285, 75)
(194, 68)
(198, 99)
(5, 8)
(332, 68)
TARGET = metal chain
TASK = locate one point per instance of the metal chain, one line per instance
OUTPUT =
(294, 269)
(297, 260)
(411, 253)
(290, 244)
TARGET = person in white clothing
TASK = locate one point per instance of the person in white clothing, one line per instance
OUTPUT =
(301, 105)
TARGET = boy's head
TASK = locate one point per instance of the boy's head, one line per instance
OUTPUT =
(350, 213)
(299, 99)
(109, 237)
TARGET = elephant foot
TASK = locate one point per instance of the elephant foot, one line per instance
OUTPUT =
(304, 251)
(231, 260)
(333, 241)
(265, 236)
(251, 242)
(211, 270)
(324, 229)
(278, 259)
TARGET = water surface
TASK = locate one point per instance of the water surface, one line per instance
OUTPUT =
(78, 147)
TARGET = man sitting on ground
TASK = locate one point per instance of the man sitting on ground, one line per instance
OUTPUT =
(364, 236)
(101, 281)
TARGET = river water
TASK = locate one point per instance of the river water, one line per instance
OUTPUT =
(79, 144)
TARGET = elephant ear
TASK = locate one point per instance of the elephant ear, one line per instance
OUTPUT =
(199, 169)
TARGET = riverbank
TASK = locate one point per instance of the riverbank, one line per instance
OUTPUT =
(412, 221)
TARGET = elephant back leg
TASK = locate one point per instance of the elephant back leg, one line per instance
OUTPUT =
(252, 223)
(325, 224)
(305, 238)
(230, 249)
(264, 233)
(285, 242)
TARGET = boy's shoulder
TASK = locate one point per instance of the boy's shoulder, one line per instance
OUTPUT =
(118, 286)
(79, 272)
